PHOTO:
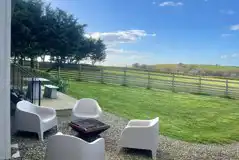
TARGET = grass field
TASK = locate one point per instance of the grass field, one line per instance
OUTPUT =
(160, 76)
(193, 118)
(180, 78)
(213, 68)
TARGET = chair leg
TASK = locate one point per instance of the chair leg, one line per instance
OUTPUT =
(40, 135)
(154, 154)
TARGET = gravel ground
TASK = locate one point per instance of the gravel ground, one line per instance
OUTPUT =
(32, 149)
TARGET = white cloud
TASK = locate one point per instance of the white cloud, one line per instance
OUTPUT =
(114, 41)
(137, 57)
(224, 56)
(226, 35)
(153, 35)
(126, 36)
(235, 27)
(234, 55)
(131, 54)
(228, 12)
(170, 3)
(127, 60)
(120, 51)
(122, 57)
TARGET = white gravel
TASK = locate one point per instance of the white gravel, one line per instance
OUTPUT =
(32, 149)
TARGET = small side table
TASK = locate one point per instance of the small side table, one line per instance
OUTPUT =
(50, 91)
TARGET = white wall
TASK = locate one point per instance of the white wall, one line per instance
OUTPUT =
(5, 31)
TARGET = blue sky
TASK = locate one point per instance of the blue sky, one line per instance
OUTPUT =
(161, 31)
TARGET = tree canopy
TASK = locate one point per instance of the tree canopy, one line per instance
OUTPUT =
(39, 30)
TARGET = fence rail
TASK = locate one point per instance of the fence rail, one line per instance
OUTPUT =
(148, 79)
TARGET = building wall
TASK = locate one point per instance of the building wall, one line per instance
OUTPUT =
(5, 30)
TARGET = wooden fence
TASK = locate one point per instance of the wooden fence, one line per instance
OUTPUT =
(154, 80)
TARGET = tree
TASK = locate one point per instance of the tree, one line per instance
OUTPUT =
(143, 66)
(63, 35)
(97, 53)
(35, 9)
(136, 65)
(39, 30)
(19, 30)
(83, 51)
(26, 21)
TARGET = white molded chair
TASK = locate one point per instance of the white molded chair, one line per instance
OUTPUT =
(141, 134)
(33, 118)
(64, 147)
(86, 108)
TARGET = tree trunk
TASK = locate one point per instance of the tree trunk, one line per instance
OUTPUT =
(21, 61)
(43, 58)
(32, 62)
(93, 62)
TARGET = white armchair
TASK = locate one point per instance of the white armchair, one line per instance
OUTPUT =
(33, 118)
(141, 134)
(86, 108)
(63, 147)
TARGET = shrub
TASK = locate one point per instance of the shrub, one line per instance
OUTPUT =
(62, 84)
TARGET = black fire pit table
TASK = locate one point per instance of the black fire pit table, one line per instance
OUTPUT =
(88, 129)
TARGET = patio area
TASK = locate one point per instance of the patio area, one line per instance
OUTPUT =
(62, 102)
(32, 149)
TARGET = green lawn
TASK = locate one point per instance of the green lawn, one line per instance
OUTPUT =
(194, 118)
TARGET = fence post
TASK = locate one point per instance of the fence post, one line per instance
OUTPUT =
(226, 93)
(102, 75)
(173, 81)
(80, 72)
(199, 84)
(124, 77)
(58, 72)
(148, 87)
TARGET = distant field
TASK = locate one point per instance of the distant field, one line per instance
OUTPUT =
(155, 80)
(156, 76)
(212, 68)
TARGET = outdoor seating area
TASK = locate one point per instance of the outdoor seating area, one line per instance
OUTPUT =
(85, 125)
(31, 148)
(119, 138)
